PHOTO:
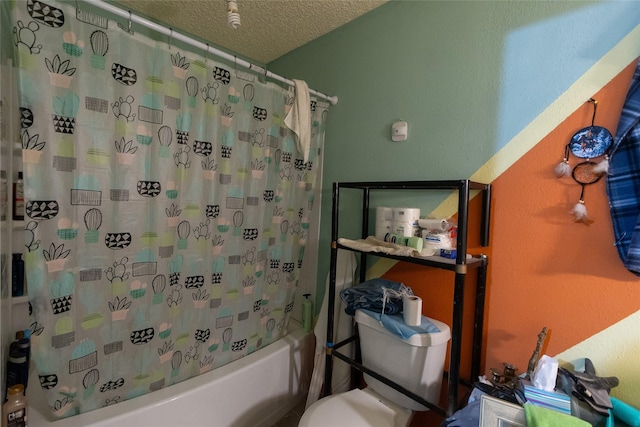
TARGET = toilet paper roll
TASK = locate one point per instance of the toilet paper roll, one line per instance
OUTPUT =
(434, 224)
(382, 228)
(384, 213)
(406, 229)
(410, 215)
(412, 310)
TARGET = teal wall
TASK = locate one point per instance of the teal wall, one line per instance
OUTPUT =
(466, 76)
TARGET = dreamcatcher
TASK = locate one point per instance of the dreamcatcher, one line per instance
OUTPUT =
(588, 143)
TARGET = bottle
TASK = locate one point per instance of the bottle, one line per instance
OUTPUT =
(23, 344)
(18, 199)
(17, 276)
(17, 369)
(4, 195)
(14, 410)
(414, 242)
(307, 313)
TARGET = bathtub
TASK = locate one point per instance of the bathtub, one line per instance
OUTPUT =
(254, 391)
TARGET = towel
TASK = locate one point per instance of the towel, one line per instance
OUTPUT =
(377, 294)
(625, 412)
(373, 244)
(394, 323)
(537, 416)
(299, 118)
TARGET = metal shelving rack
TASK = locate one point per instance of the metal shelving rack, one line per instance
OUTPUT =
(461, 266)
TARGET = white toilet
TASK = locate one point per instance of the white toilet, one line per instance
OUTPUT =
(416, 363)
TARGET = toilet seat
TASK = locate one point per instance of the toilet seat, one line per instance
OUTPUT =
(355, 408)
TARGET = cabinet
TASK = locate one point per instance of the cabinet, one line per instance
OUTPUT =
(461, 266)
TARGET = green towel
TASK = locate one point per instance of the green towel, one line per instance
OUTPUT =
(537, 416)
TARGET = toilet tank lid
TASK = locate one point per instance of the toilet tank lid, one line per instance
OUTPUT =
(431, 332)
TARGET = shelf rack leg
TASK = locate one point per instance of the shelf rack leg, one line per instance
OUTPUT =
(328, 370)
(456, 344)
(478, 324)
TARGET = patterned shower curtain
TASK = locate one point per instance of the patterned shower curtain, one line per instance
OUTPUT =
(167, 207)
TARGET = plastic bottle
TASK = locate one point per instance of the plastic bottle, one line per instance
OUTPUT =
(17, 276)
(413, 242)
(23, 344)
(14, 410)
(18, 199)
(307, 313)
(4, 195)
(17, 366)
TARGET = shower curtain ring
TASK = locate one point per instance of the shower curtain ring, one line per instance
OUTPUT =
(206, 54)
(170, 37)
(129, 23)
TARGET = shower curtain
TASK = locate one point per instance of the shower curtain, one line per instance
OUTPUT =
(167, 207)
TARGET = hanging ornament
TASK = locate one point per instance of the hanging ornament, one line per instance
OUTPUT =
(563, 168)
(583, 174)
(592, 141)
(588, 143)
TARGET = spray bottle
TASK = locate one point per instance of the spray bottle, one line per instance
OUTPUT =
(307, 313)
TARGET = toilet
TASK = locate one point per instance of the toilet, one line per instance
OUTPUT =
(416, 362)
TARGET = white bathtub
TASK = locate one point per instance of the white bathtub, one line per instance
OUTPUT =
(255, 391)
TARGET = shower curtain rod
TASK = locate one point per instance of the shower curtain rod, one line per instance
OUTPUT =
(205, 47)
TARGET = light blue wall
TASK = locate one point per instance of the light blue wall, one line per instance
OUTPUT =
(467, 76)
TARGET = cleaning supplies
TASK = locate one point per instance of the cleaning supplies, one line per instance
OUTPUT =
(307, 313)
(14, 410)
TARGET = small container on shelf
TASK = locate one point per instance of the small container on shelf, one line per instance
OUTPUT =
(17, 276)
(4, 195)
(18, 199)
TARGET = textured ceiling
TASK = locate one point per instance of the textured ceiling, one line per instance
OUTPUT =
(269, 28)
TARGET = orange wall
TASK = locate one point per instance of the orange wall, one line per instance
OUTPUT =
(544, 269)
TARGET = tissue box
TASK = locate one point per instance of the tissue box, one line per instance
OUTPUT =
(556, 400)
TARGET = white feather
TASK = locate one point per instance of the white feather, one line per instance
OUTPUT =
(602, 167)
(563, 169)
(580, 213)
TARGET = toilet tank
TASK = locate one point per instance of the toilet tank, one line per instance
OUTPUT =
(415, 362)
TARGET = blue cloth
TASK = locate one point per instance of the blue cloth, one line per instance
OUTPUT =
(623, 180)
(625, 412)
(369, 295)
(394, 323)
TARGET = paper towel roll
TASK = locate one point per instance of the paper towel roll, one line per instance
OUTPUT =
(412, 310)
(410, 215)
(434, 224)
